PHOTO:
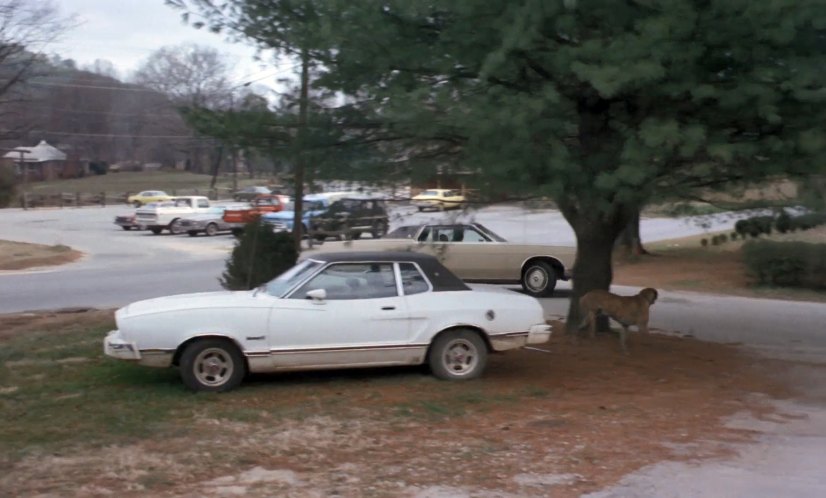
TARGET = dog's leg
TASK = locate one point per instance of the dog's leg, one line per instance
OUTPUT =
(592, 324)
(623, 335)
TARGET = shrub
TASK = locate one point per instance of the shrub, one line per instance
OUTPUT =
(715, 241)
(789, 264)
(733, 235)
(259, 256)
(783, 222)
(723, 238)
(809, 220)
(704, 242)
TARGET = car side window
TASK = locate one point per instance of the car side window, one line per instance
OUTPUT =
(413, 282)
(344, 281)
(472, 235)
(203, 203)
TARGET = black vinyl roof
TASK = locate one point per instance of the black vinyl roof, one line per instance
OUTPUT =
(441, 278)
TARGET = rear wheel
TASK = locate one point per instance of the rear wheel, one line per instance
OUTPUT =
(379, 229)
(458, 355)
(156, 230)
(237, 232)
(539, 279)
(192, 233)
(125, 227)
(214, 365)
(137, 204)
(211, 229)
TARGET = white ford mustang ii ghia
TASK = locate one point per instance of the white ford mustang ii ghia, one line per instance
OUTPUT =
(335, 310)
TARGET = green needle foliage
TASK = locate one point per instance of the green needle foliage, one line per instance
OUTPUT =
(259, 256)
(605, 105)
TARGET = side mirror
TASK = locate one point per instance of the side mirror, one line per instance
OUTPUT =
(317, 295)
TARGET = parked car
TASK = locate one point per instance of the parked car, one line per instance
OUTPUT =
(148, 196)
(350, 218)
(237, 218)
(439, 199)
(250, 193)
(128, 222)
(477, 254)
(207, 223)
(334, 310)
(158, 217)
(313, 205)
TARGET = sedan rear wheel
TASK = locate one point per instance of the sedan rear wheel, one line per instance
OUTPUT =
(458, 355)
(211, 229)
(539, 279)
(213, 365)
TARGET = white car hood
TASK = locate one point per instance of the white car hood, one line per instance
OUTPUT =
(212, 300)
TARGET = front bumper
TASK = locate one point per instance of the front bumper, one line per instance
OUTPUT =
(115, 346)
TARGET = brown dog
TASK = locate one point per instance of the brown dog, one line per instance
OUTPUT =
(627, 310)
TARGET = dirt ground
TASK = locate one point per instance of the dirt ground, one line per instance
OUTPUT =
(22, 255)
(570, 418)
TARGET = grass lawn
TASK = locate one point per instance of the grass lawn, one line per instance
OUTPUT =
(562, 422)
(683, 264)
(130, 181)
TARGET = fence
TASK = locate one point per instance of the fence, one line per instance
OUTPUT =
(30, 200)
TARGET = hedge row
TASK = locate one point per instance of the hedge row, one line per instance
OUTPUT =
(786, 264)
(757, 225)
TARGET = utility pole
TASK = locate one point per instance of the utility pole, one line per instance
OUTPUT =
(25, 173)
(300, 158)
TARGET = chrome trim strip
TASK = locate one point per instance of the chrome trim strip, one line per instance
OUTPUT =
(339, 349)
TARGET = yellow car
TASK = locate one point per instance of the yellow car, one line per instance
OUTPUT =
(148, 196)
(439, 199)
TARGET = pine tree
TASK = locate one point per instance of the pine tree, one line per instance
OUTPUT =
(259, 256)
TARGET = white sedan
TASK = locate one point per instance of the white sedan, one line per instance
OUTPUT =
(335, 310)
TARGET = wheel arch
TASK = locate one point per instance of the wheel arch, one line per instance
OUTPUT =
(176, 358)
(556, 264)
(472, 328)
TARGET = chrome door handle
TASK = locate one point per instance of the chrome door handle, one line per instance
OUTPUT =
(388, 308)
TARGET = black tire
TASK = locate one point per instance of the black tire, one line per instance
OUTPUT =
(458, 355)
(237, 232)
(354, 236)
(211, 229)
(420, 209)
(379, 229)
(126, 227)
(212, 365)
(137, 204)
(156, 230)
(192, 233)
(539, 279)
(175, 227)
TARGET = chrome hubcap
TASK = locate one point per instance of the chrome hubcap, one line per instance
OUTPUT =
(537, 279)
(213, 367)
(460, 357)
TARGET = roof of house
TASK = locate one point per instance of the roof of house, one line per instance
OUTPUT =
(40, 153)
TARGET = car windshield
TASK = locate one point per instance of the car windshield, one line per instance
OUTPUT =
(313, 205)
(434, 193)
(279, 286)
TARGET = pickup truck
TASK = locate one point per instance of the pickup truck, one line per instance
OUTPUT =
(161, 216)
(237, 218)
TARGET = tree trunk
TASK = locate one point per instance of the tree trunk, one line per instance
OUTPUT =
(596, 234)
(216, 166)
(630, 240)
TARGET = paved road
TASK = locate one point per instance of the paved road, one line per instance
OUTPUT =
(122, 267)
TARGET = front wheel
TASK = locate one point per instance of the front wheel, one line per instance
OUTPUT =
(539, 279)
(156, 230)
(458, 355)
(175, 227)
(136, 204)
(192, 233)
(126, 227)
(212, 365)
(211, 229)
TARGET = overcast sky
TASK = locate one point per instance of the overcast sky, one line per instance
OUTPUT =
(126, 32)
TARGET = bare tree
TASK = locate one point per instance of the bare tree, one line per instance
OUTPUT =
(26, 28)
(188, 74)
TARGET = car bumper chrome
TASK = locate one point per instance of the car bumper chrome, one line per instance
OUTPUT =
(539, 333)
(116, 347)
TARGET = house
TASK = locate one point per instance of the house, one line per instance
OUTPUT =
(41, 162)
